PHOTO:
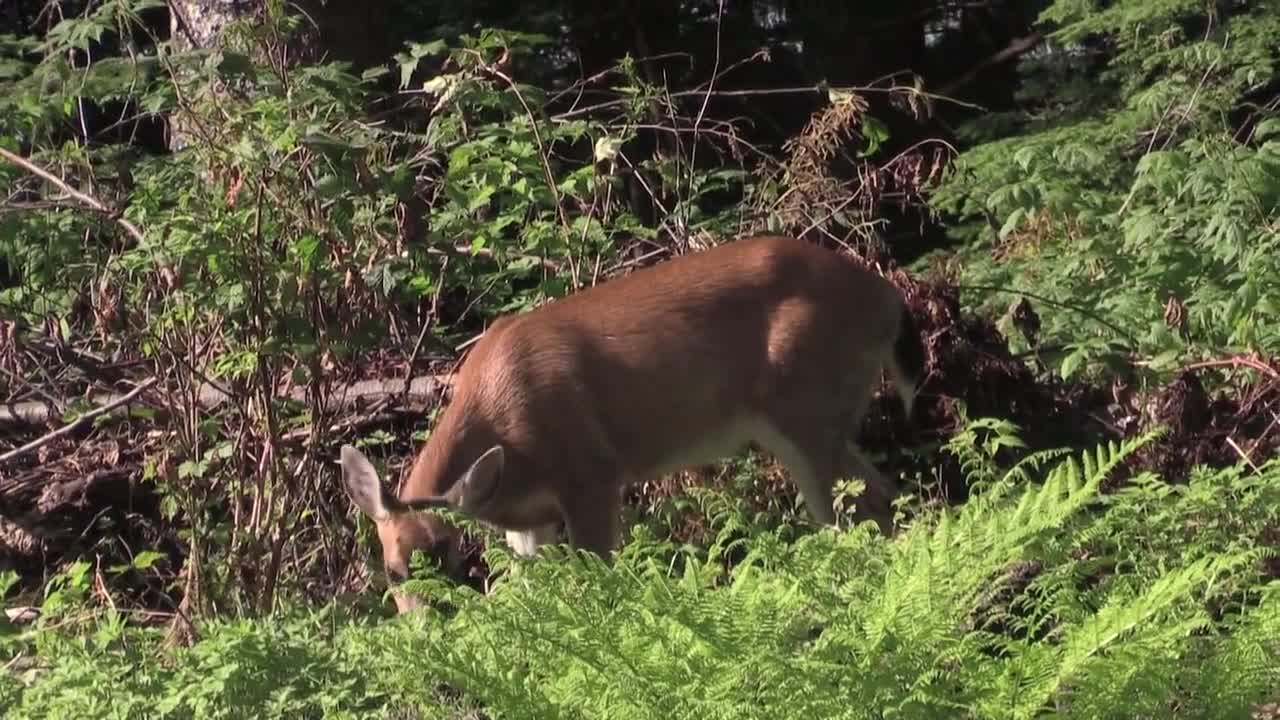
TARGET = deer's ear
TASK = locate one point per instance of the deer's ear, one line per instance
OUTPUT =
(479, 482)
(361, 482)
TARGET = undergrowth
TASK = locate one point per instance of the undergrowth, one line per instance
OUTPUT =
(1042, 596)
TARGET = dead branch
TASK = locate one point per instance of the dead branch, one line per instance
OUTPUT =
(77, 423)
(1236, 361)
(87, 201)
(1015, 48)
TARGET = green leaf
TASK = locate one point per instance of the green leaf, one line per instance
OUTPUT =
(1011, 223)
(307, 249)
(875, 133)
(145, 559)
(480, 197)
(1071, 363)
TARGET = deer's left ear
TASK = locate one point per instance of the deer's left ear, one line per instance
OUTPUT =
(360, 479)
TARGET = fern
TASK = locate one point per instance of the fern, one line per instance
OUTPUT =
(1040, 596)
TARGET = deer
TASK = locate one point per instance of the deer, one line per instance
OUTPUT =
(767, 341)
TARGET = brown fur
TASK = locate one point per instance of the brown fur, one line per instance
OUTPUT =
(767, 340)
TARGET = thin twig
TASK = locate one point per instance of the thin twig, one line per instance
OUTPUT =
(88, 201)
(639, 176)
(759, 92)
(578, 86)
(702, 111)
(727, 136)
(543, 153)
(637, 261)
(1057, 303)
(1236, 361)
(426, 326)
(18, 381)
(78, 422)
(1155, 133)
(1243, 455)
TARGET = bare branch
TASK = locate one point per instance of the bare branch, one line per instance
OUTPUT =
(87, 201)
(1015, 48)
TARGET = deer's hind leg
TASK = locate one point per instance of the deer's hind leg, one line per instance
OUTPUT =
(810, 430)
(810, 463)
(875, 503)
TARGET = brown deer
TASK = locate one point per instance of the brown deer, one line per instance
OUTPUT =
(768, 340)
